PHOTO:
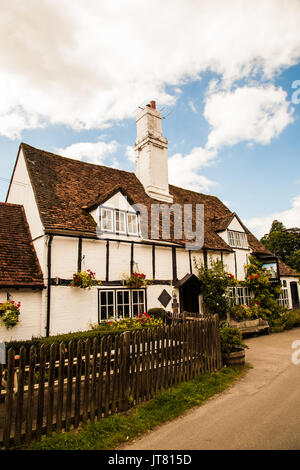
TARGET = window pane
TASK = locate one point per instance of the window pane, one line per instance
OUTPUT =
(132, 223)
(107, 219)
(120, 221)
(110, 298)
(126, 311)
(103, 313)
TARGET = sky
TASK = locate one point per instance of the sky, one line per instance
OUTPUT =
(224, 73)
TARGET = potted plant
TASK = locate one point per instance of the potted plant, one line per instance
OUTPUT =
(9, 313)
(85, 279)
(136, 280)
(232, 346)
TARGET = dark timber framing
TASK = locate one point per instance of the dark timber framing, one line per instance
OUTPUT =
(131, 257)
(79, 254)
(107, 261)
(174, 264)
(190, 260)
(205, 257)
(235, 265)
(153, 261)
(49, 284)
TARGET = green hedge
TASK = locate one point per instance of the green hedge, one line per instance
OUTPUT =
(64, 338)
(286, 321)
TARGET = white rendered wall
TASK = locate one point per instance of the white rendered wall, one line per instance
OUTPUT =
(64, 257)
(21, 192)
(30, 324)
(183, 263)
(163, 263)
(94, 257)
(119, 260)
(142, 256)
(72, 309)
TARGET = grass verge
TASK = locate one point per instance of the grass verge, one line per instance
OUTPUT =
(110, 432)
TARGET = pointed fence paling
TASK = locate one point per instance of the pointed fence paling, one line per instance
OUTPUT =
(52, 389)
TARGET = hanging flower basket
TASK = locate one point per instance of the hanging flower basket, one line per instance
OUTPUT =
(9, 313)
(85, 279)
(137, 280)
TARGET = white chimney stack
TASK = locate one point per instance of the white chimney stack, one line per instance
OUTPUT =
(151, 154)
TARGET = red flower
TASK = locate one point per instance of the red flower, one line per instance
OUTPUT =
(257, 276)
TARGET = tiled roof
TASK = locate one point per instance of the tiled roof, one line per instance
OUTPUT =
(65, 188)
(19, 265)
(286, 270)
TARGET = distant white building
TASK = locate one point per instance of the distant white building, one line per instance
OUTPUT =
(82, 216)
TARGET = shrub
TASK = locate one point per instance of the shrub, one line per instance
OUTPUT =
(215, 283)
(231, 339)
(286, 321)
(9, 313)
(158, 313)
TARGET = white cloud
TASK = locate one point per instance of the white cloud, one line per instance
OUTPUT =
(130, 153)
(87, 63)
(253, 114)
(92, 152)
(290, 218)
(183, 169)
(192, 106)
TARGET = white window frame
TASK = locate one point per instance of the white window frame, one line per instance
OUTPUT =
(106, 291)
(239, 295)
(115, 291)
(130, 214)
(138, 303)
(120, 213)
(237, 239)
(123, 291)
(106, 209)
(283, 298)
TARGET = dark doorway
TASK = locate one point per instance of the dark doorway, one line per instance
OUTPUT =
(295, 294)
(189, 290)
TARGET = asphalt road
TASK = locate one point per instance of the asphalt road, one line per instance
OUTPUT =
(261, 411)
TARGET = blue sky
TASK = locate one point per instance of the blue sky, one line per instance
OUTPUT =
(229, 116)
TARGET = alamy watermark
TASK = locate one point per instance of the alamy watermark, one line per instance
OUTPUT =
(2, 353)
(296, 94)
(296, 354)
(175, 222)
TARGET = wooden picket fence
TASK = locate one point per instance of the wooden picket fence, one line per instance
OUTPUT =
(72, 383)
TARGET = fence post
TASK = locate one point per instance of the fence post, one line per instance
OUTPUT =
(125, 370)
(9, 397)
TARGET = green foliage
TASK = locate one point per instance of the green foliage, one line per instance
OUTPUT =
(158, 313)
(85, 280)
(9, 313)
(96, 331)
(286, 321)
(282, 242)
(141, 321)
(293, 260)
(231, 339)
(215, 283)
(110, 432)
(265, 293)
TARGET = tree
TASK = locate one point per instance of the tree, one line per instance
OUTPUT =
(293, 260)
(281, 241)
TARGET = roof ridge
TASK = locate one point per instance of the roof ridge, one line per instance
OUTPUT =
(75, 159)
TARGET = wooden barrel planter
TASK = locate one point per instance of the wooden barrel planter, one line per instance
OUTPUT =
(236, 358)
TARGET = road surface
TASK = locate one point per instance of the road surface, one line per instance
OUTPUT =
(260, 411)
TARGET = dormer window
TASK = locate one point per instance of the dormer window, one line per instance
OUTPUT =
(119, 221)
(237, 239)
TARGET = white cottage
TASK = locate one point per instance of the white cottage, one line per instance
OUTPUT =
(82, 216)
